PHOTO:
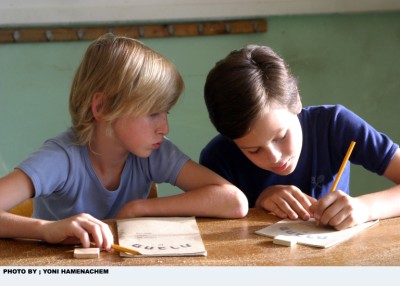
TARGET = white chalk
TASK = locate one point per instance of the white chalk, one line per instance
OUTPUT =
(285, 240)
(87, 252)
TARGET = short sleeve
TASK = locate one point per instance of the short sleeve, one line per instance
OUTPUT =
(166, 163)
(47, 168)
(374, 150)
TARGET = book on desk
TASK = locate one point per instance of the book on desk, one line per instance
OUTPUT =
(311, 234)
(161, 236)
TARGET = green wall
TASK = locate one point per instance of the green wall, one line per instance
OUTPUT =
(351, 59)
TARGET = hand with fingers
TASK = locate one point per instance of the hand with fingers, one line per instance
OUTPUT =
(340, 210)
(286, 201)
(81, 228)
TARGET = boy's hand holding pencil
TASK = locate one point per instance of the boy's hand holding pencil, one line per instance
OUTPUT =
(335, 208)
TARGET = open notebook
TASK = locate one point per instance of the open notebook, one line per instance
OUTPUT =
(308, 233)
(161, 236)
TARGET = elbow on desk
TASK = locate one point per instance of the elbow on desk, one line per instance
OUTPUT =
(241, 211)
(241, 208)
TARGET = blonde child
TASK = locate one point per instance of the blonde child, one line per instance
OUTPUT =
(285, 157)
(104, 165)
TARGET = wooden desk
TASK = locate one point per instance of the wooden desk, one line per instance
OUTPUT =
(229, 243)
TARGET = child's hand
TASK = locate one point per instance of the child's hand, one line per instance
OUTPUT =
(339, 210)
(286, 202)
(82, 228)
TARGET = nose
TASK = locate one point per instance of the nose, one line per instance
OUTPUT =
(273, 153)
(163, 127)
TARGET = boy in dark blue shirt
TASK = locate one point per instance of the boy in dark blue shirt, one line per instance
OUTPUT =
(285, 157)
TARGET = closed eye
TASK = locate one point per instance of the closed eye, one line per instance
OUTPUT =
(281, 138)
(157, 114)
(255, 151)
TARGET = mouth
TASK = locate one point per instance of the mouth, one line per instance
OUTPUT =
(281, 167)
(157, 145)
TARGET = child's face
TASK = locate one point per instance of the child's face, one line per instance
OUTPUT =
(141, 135)
(274, 142)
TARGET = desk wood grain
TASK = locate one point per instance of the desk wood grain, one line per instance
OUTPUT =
(229, 242)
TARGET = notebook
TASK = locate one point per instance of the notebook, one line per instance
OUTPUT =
(308, 233)
(161, 236)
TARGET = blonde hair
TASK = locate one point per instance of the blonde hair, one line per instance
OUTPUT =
(132, 78)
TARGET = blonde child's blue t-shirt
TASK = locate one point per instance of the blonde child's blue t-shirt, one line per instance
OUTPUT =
(327, 133)
(66, 184)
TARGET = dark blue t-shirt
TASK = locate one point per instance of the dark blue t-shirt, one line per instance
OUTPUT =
(327, 133)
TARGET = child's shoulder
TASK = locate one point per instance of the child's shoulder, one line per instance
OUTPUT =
(67, 136)
(220, 141)
(328, 117)
(219, 146)
(326, 108)
(65, 140)
(322, 112)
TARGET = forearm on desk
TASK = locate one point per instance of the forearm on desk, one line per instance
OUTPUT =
(15, 226)
(383, 204)
(203, 202)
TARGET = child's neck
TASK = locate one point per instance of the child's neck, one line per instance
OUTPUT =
(107, 161)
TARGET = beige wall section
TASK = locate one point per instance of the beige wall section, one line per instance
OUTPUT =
(54, 12)
(351, 59)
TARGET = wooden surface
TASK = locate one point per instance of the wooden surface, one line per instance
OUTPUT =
(228, 243)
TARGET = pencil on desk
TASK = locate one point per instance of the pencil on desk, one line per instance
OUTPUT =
(346, 158)
(124, 249)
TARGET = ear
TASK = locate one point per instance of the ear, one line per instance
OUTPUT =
(97, 105)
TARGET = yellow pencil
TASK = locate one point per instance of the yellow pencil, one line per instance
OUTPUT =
(124, 249)
(346, 158)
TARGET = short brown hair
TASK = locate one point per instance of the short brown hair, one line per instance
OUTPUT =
(242, 85)
(133, 79)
